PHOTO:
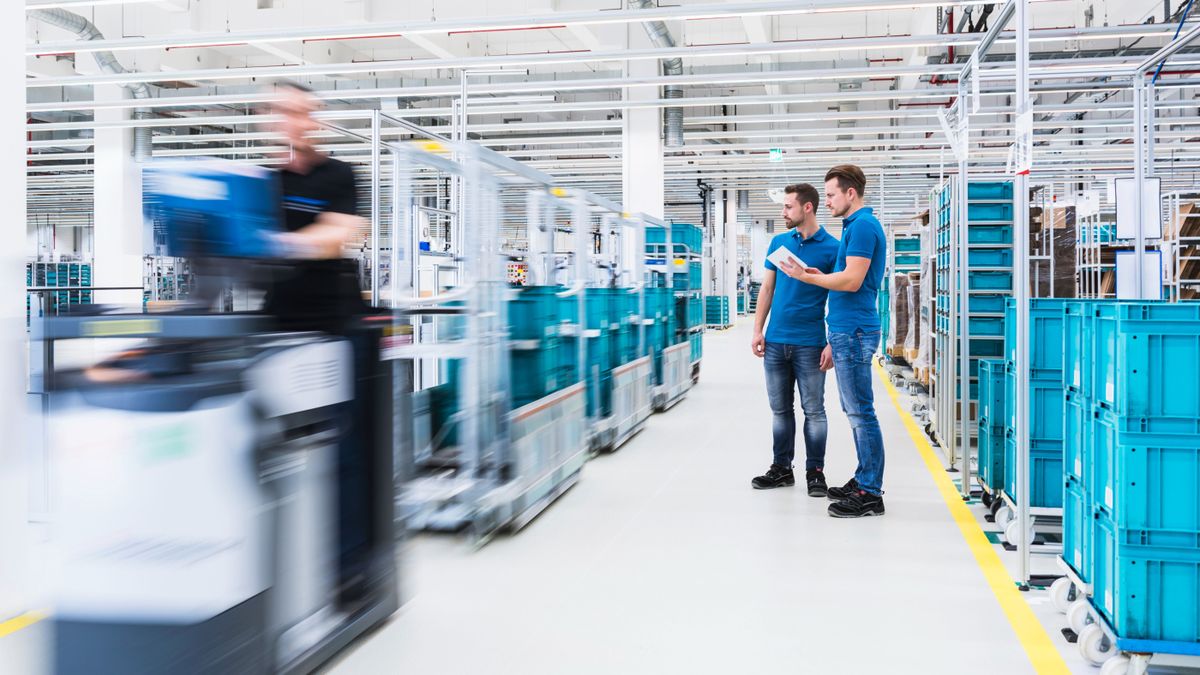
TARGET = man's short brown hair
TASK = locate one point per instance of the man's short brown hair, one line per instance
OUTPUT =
(805, 193)
(848, 176)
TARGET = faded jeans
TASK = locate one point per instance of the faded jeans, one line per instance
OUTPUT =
(790, 367)
(852, 353)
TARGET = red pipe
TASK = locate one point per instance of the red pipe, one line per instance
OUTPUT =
(501, 30)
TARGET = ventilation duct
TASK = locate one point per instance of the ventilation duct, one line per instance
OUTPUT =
(108, 64)
(660, 36)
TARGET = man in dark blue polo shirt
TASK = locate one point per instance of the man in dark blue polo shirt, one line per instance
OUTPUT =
(854, 333)
(793, 348)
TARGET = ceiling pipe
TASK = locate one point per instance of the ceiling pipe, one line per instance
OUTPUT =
(107, 63)
(660, 36)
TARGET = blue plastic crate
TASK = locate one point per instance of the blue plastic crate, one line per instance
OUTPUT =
(1077, 433)
(986, 280)
(991, 373)
(990, 190)
(991, 454)
(1145, 474)
(1076, 339)
(989, 257)
(908, 260)
(537, 373)
(985, 326)
(697, 346)
(908, 244)
(1045, 472)
(1077, 529)
(990, 234)
(1045, 335)
(1045, 419)
(534, 313)
(656, 235)
(1138, 352)
(989, 211)
(1146, 591)
(986, 348)
(981, 303)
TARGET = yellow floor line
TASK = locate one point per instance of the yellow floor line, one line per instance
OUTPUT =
(23, 621)
(1034, 639)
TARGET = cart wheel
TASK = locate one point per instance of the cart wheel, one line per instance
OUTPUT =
(1094, 645)
(986, 498)
(1117, 665)
(1012, 532)
(1004, 515)
(1079, 616)
(1062, 593)
(995, 507)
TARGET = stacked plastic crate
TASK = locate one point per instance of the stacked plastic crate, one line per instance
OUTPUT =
(1133, 487)
(993, 420)
(989, 263)
(716, 311)
(1044, 418)
(688, 245)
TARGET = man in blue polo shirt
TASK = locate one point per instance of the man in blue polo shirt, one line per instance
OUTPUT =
(793, 348)
(854, 333)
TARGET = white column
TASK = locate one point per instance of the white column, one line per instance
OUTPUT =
(118, 234)
(14, 567)
(641, 145)
(728, 269)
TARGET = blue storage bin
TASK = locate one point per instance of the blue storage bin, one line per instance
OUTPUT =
(1147, 479)
(989, 212)
(537, 373)
(985, 326)
(989, 257)
(908, 244)
(991, 454)
(656, 235)
(990, 234)
(534, 313)
(908, 260)
(1077, 433)
(991, 373)
(987, 348)
(1045, 419)
(1045, 335)
(1138, 354)
(1077, 529)
(1076, 340)
(989, 191)
(1146, 591)
(1045, 472)
(985, 280)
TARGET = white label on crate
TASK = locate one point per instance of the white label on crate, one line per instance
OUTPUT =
(1076, 556)
(1078, 466)
(1108, 600)
(1108, 496)
(1110, 394)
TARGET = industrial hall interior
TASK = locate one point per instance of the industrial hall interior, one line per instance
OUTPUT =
(600, 337)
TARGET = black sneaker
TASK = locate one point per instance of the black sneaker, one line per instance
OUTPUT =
(858, 505)
(837, 494)
(816, 483)
(776, 476)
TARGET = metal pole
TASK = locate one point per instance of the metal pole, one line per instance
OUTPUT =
(1139, 173)
(964, 342)
(948, 381)
(1021, 291)
(375, 225)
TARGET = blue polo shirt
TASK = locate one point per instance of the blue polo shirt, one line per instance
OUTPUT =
(798, 309)
(862, 237)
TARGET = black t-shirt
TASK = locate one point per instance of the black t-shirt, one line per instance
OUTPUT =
(317, 294)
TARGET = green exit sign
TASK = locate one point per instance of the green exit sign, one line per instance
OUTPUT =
(776, 155)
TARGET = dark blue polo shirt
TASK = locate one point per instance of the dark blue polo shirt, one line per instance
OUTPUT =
(798, 309)
(862, 237)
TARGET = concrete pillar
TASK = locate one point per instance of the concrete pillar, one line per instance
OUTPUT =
(118, 235)
(642, 144)
(14, 532)
(760, 240)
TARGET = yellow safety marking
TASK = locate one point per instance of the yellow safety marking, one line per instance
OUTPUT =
(23, 621)
(431, 146)
(1034, 639)
(558, 192)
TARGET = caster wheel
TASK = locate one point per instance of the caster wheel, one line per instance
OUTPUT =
(995, 506)
(1094, 645)
(1012, 533)
(1079, 616)
(1117, 665)
(1062, 594)
(1004, 516)
(987, 500)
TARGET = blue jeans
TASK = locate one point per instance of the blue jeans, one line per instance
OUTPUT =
(788, 366)
(852, 354)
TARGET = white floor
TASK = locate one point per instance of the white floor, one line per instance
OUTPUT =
(664, 560)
